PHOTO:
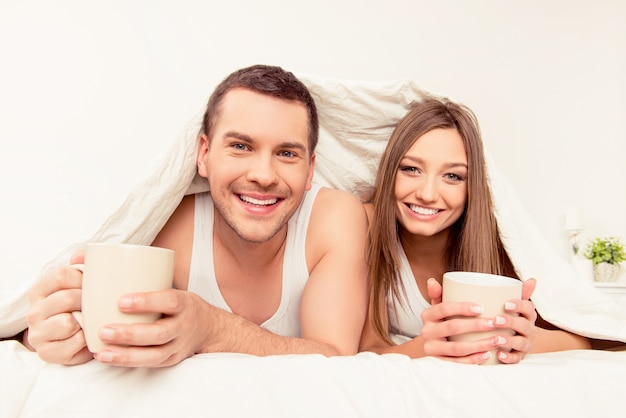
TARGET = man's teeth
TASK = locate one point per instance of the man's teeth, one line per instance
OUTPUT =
(259, 202)
(423, 211)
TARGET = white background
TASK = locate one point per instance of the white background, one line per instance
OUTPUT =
(91, 94)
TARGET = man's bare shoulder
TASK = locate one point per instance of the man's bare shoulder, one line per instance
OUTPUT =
(177, 234)
(334, 199)
(180, 220)
(337, 210)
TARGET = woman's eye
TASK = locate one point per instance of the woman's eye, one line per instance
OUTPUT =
(409, 169)
(454, 177)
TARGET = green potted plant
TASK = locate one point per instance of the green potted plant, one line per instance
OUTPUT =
(606, 254)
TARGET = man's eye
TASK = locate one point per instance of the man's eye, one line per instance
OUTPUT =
(240, 147)
(287, 154)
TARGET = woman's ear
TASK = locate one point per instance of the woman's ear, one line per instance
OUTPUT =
(203, 151)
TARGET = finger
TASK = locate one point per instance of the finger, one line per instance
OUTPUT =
(158, 356)
(524, 309)
(455, 326)
(514, 350)
(514, 325)
(50, 319)
(168, 302)
(460, 349)
(518, 343)
(55, 328)
(434, 291)
(157, 333)
(61, 277)
(69, 351)
(78, 257)
(528, 288)
(477, 358)
(445, 310)
(512, 357)
(60, 302)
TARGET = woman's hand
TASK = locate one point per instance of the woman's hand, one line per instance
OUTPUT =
(522, 322)
(445, 319)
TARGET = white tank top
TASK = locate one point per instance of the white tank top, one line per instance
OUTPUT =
(406, 321)
(202, 280)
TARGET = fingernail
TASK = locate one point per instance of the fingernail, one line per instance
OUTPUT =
(501, 341)
(106, 334)
(509, 306)
(125, 302)
(502, 355)
(478, 309)
(105, 356)
(486, 355)
(490, 323)
(500, 320)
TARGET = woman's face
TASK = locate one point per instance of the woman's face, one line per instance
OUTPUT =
(431, 183)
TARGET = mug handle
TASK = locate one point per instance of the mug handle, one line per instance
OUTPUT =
(78, 315)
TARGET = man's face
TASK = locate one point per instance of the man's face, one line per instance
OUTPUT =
(257, 163)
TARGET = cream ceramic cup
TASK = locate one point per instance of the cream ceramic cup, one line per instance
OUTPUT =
(487, 290)
(112, 270)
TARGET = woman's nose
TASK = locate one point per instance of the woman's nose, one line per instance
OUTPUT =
(427, 190)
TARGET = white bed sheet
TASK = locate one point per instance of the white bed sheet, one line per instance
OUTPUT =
(581, 383)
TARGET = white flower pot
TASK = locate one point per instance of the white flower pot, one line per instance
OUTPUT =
(605, 272)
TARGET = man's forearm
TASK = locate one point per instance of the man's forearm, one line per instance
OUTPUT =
(234, 334)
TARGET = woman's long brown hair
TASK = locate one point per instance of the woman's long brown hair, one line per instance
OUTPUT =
(474, 242)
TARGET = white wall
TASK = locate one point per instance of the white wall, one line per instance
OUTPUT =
(92, 92)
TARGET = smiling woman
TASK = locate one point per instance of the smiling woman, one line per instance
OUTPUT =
(432, 212)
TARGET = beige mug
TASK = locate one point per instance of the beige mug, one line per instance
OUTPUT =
(490, 291)
(111, 270)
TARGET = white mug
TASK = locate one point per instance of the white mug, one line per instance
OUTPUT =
(112, 270)
(490, 291)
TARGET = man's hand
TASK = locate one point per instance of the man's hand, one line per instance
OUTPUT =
(180, 333)
(52, 330)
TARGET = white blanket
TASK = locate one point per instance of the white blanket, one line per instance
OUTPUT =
(356, 120)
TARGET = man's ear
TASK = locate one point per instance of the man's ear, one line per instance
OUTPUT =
(203, 151)
(309, 179)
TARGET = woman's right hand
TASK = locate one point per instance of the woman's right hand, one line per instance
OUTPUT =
(445, 319)
(52, 330)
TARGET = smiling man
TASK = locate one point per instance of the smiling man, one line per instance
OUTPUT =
(262, 265)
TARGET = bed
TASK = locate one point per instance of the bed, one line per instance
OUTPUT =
(356, 119)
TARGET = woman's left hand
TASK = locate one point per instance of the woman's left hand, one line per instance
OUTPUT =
(523, 325)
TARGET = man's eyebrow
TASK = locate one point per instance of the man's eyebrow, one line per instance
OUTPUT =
(249, 140)
(294, 145)
(238, 135)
